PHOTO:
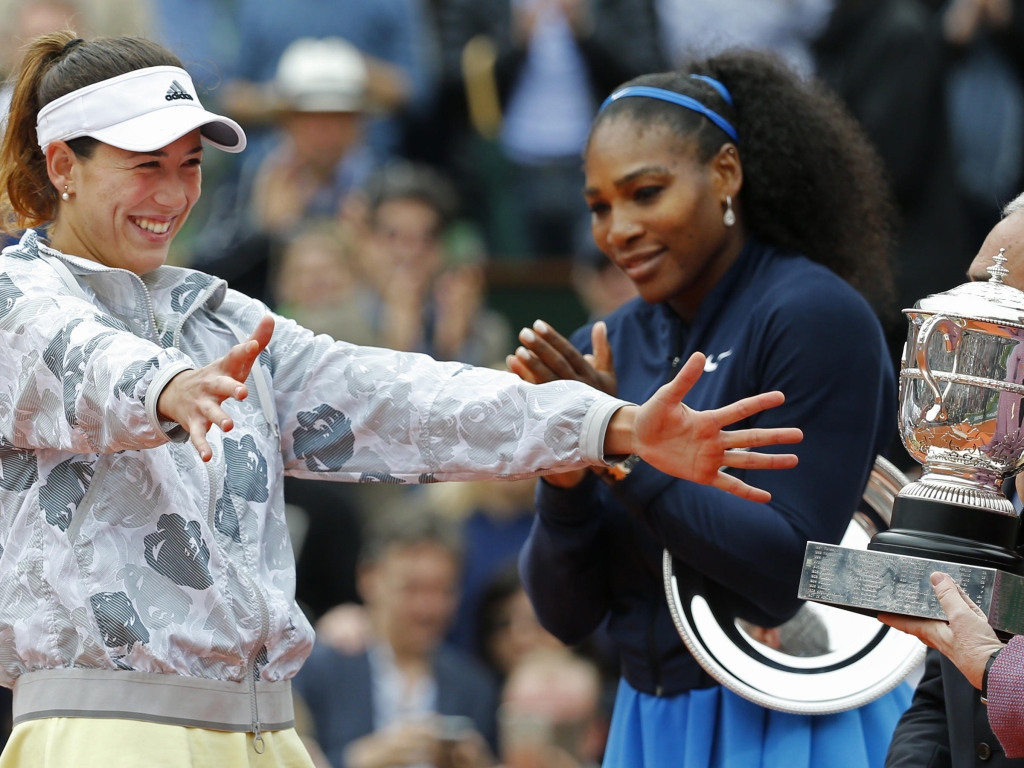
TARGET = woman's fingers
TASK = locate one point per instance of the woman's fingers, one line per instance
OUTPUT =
(552, 358)
(520, 369)
(539, 372)
(749, 460)
(602, 357)
(564, 348)
(737, 487)
(197, 428)
(676, 390)
(263, 331)
(239, 360)
(758, 438)
(747, 407)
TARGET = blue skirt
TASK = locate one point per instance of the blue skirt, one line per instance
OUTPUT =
(715, 728)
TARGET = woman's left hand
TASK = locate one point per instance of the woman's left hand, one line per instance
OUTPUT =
(193, 398)
(967, 640)
(693, 445)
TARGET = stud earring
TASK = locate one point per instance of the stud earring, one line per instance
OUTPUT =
(730, 216)
(64, 195)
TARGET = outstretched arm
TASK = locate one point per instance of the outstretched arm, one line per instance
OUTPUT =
(693, 445)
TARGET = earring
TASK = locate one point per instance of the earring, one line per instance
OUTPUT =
(730, 216)
(64, 195)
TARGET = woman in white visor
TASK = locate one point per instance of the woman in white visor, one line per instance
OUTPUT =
(146, 584)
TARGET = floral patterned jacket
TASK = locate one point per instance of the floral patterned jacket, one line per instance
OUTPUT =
(122, 549)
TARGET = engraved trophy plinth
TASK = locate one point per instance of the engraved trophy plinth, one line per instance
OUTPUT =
(961, 391)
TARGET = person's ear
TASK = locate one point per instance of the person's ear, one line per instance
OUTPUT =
(727, 171)
(61, 166)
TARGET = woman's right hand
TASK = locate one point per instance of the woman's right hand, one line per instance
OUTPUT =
(546, 355)
(193, 398)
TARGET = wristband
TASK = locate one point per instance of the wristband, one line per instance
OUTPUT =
(984, 678)
(618, 472)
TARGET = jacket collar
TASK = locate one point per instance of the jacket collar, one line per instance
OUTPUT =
(154, 305)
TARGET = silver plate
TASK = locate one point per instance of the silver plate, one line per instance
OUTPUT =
(822, 661)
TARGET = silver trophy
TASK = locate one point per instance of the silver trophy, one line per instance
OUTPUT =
(961, 392)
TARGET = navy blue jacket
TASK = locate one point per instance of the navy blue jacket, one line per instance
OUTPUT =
(774, 321)
(338, 690)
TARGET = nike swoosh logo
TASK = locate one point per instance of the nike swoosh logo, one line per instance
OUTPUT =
(711, 364)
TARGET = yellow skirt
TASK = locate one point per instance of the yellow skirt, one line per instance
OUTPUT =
(79, 742)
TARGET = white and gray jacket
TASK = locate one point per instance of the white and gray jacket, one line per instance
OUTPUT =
(123, 552)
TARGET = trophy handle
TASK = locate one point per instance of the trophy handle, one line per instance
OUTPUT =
(924, 336)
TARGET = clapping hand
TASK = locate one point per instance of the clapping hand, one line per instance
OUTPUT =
(193, 398)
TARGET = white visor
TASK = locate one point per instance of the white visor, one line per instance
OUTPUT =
(140, 111)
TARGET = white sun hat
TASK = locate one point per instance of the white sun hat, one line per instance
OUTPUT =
(140, 111)
(327, 75)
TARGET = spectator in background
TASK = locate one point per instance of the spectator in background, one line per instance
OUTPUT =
(555, 60)
(985, 102)
(550, 715)
(316, 287)
(507, 630)
(381, 707)
(885, 59)
(699, 28)
(318, 159)
(392, 35)
(495, 520)
(427, 271)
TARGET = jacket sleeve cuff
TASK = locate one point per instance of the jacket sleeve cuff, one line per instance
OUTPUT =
(594, 427)
(567, 505)
(1006, 698)
(637, 491)
(174, 431)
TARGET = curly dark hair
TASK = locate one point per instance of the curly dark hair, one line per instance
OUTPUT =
(812, 183)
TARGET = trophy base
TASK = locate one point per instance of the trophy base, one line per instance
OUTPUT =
(941, 530)
(873, 582)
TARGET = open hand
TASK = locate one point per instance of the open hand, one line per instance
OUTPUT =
(967, 640)
(193, 398)
(693, 445)
(546, 355)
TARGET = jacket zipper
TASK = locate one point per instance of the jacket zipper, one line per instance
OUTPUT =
(136, 280)
(250, 665)
(257, 742)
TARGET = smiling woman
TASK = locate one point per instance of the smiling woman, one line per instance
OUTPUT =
(746, 207)
(147, 610)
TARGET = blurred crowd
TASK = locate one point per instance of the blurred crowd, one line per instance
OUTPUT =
(408, 161)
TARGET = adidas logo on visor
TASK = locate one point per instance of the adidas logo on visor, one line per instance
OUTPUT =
(177, 92)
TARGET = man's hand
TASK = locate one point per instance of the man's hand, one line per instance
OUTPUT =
(397, 745)
(193, 398)
(967, 640)
(691, 444)
(346, 628)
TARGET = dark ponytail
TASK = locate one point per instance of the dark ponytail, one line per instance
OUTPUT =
(54, 65)
(812, 183)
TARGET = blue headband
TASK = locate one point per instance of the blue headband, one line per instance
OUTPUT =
(683, 101)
